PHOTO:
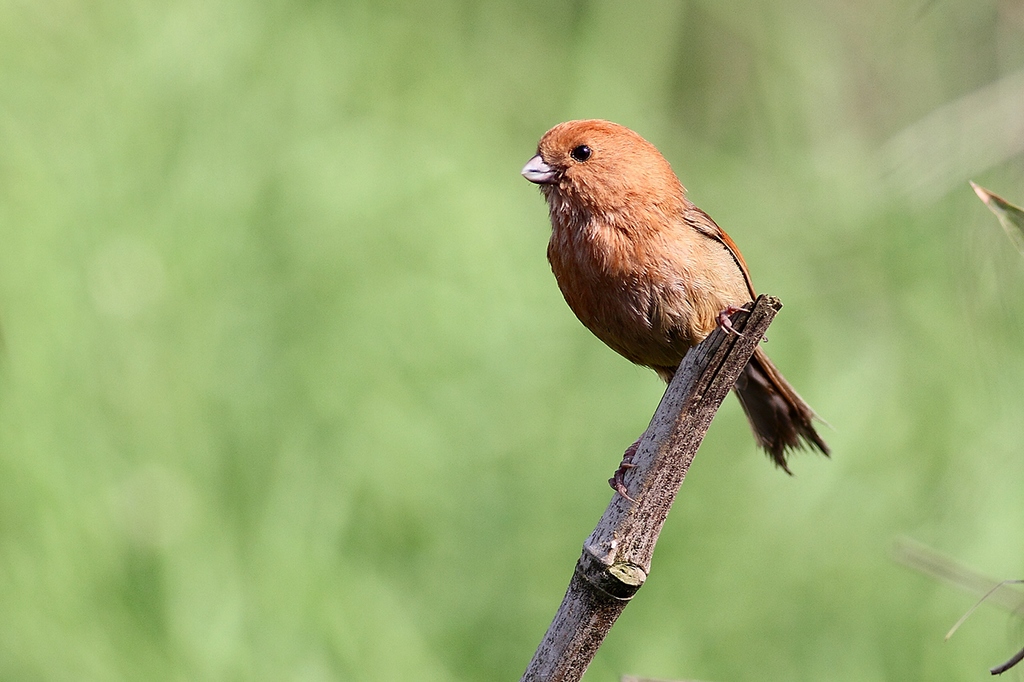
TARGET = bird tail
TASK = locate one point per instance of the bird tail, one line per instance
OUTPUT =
(780, 418)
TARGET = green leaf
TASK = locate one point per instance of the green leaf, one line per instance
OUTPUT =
(1010, 217)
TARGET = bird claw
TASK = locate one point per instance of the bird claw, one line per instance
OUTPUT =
(618, 479)
(725, 323)
(619, 485)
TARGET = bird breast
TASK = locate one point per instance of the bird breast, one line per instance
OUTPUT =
(630, 290)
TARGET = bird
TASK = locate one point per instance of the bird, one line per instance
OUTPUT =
(651, 274)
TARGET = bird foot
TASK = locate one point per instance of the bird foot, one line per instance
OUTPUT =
(618, 479)
(725, 323)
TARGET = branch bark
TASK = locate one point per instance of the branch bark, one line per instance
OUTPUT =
(616, 557)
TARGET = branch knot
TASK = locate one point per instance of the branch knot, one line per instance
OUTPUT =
(619, 580)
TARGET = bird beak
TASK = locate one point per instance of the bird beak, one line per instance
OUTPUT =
(538, 172)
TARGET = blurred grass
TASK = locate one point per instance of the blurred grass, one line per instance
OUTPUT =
(289, 393)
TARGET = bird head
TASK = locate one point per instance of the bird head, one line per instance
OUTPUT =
(600, 165)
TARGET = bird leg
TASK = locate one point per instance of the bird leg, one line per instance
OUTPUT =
(618, 480)
(725, 323)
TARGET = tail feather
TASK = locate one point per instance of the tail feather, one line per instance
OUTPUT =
(780, 418)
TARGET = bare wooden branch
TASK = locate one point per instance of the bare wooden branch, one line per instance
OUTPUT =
(616, 557)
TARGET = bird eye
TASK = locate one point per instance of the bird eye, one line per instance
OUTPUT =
(581, 153)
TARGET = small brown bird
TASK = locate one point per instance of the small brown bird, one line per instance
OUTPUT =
(649, 273)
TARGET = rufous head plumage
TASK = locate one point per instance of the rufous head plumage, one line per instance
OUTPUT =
(596, 164)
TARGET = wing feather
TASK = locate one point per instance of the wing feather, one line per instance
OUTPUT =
(703, 223)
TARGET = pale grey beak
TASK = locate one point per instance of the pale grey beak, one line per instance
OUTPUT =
(538, 172)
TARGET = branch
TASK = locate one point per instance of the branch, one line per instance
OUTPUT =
(616, 557)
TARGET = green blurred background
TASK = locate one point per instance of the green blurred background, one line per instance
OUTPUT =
(288, 391)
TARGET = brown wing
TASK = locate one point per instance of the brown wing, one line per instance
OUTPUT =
(703, 223)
